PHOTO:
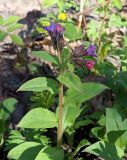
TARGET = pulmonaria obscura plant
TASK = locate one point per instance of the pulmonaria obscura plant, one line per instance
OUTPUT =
(63, 116)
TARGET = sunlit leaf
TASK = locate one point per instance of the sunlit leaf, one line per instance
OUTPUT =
(38, 118)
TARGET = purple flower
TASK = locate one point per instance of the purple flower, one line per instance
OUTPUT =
(53, 28)
(56, 33)
(50, 28)
(91, 51)
(79, 54)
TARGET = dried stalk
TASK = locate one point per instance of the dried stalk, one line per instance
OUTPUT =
(101, 30)
(81, 16)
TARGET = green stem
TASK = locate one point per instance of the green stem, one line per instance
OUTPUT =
(60, 128)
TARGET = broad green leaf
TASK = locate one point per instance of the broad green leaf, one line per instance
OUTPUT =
(13, 27)
(46, 56)
(70, 113)
(116, 127)
(72, 33)
(105, 150)
(114, 121)
(9, 106)
(25, 151)
(71, 80)
(17, 40)
(118, 4)
(82, 143)
(118, 137)
(86, 92)
(48, 3)
(38, 118)
(49, 153)
(3, 34)
(38, 84)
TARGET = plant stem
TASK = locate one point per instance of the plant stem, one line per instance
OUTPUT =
(101, 30)
(60, 128)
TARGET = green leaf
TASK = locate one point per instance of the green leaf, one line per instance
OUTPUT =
(70, 113)
(24, 151)
(48, 3)
(9, 106)
(118, 4)
(72, 33)
(104, 51)
(13, 27)
(49, 153)
(38, 118)
(105, 150)
(114, 121)
(85, 92)
(83, 143)
(38, 84)
(98, 132)
(10, 20)
(3, 34)
(116, 127)
(17, 40)
(71, 80)
(82, 123)
(46, 56)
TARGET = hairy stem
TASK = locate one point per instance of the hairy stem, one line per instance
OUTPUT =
(101, 30)
(60, 128)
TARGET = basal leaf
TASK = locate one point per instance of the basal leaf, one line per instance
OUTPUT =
(25, 151)
(49, 153)
(105, 150)
(38, 84)
(38, 118)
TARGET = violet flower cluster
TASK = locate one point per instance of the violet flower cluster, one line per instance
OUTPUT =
(78, 57)
(56, 33)
(79, 54)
